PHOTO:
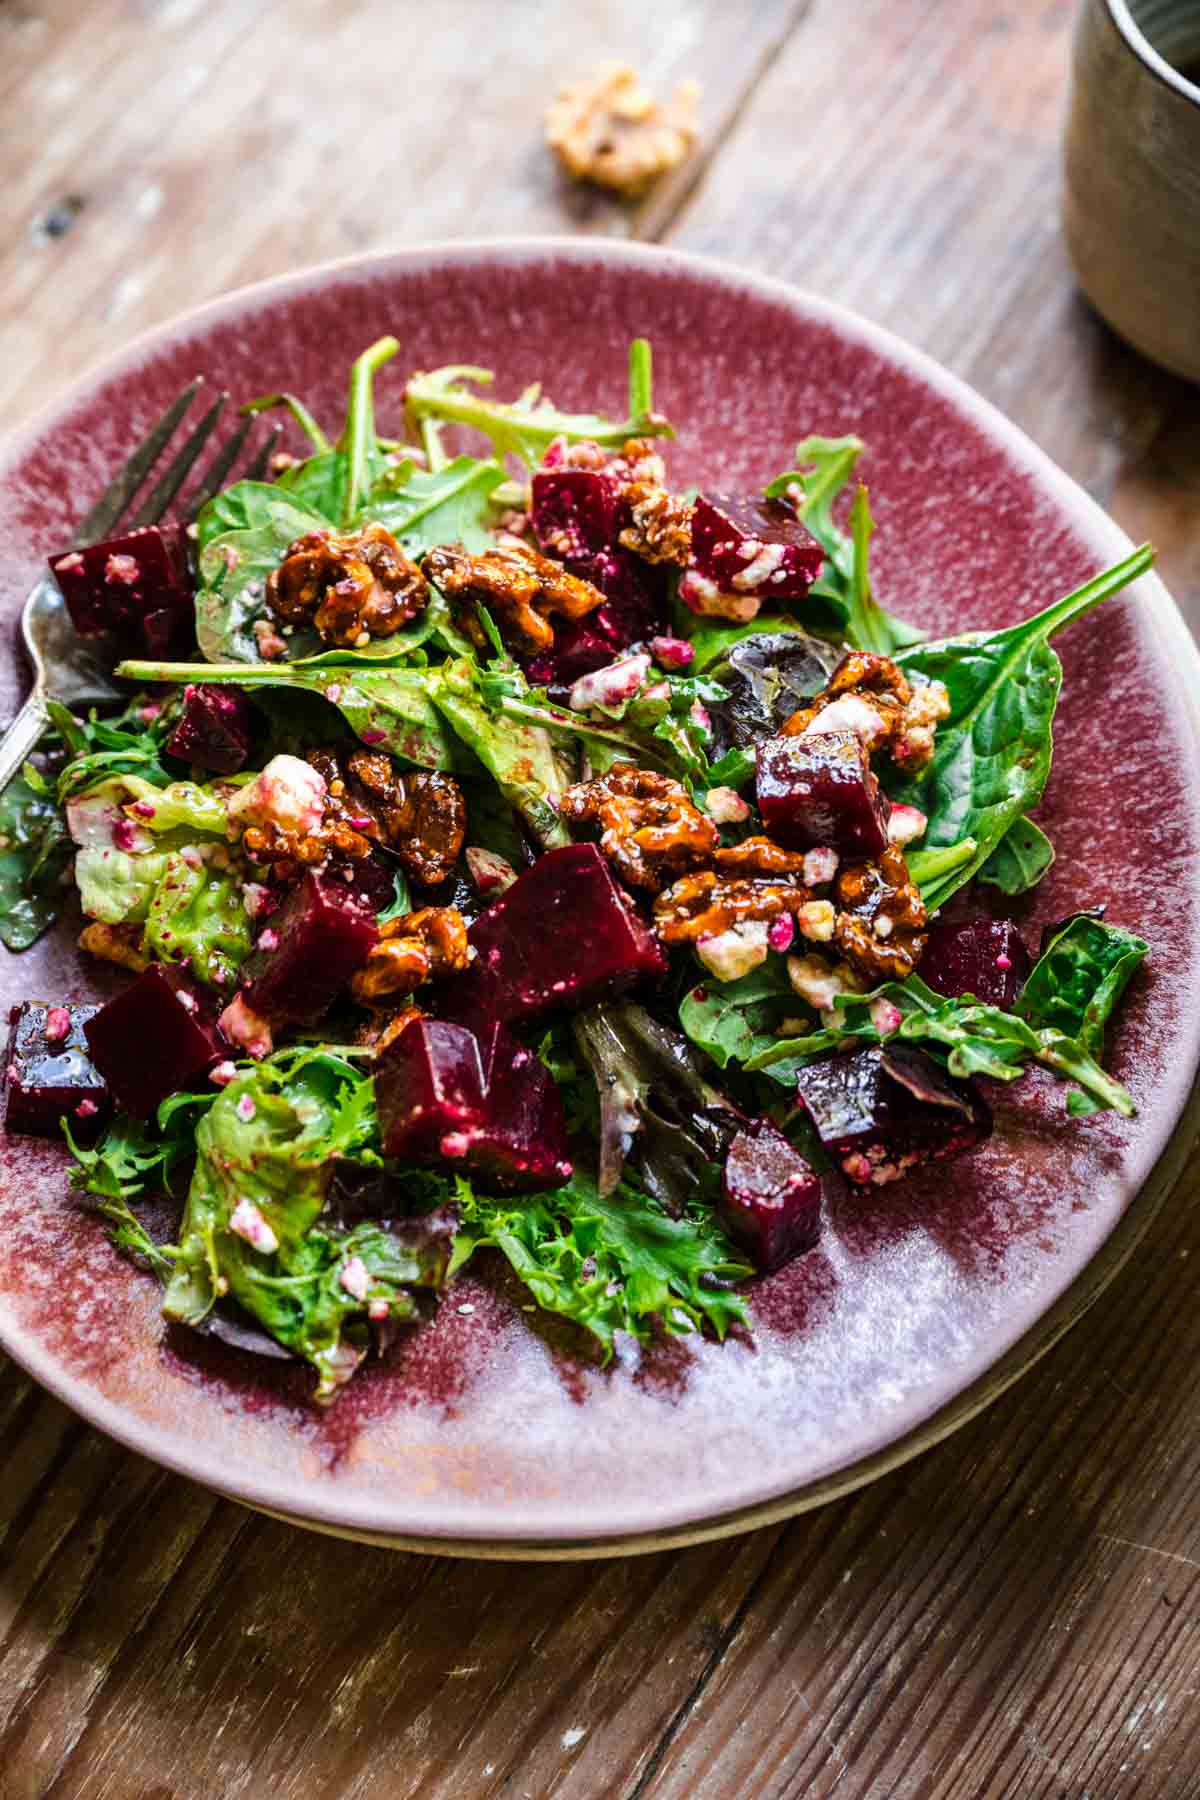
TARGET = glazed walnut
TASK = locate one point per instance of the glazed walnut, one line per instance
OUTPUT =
(412, 950)
(612, 131)
(520, 587)
(383, 1028)
(706, 904)
(649, 829)
(660, 527)
(870, 695)
(881, 920)
(761, 856)
(421, 815)
(350, 586)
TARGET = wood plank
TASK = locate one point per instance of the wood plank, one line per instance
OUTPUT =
(242, 158)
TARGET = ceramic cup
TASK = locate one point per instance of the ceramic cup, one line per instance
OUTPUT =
(1131, 204)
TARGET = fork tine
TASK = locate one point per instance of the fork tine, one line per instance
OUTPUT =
(266, 450)
(97, 523)
(176, 471)
(214, 476)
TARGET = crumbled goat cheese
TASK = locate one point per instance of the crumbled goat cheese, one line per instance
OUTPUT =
(735, 952)
(850, 712)
(611, 685)
(243, 1026)
(671, 652)
(906, 823)
(355, 1277)
(766, 561)
(247, 1222)
(726, 806)
(820, 867)
(815, 920)
(288, 793)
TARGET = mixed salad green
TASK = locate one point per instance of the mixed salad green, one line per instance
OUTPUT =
(509, 853)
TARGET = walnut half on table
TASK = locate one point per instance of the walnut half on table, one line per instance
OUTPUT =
(610, 130)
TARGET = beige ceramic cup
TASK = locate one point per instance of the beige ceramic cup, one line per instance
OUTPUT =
(1131, 206)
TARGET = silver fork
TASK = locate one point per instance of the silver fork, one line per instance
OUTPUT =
(78, 671)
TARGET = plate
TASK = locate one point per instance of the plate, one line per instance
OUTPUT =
(491, 1431)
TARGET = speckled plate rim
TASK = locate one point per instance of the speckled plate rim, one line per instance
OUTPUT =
(1162, 1153)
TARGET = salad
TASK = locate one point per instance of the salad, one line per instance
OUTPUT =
(507, 852)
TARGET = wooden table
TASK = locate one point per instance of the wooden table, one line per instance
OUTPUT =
(1018, 1612)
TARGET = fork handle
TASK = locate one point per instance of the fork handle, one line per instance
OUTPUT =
(22, 736)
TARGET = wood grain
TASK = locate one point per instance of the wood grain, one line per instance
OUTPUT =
(1016, 1616)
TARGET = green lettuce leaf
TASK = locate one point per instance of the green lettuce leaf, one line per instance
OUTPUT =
(1079, 977)
(615, 1264)
(34, 852)
(1019, 860)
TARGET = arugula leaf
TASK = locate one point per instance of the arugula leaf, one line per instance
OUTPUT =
(614, 1264)
(389, 708)
(840, 600)
(979, 1039)
(132, 1155)
(1019, 860)
(34, 852)
(1079, 977)
(525, 426)
(992, 754)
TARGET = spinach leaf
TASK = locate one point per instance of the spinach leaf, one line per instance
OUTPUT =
(840, 601)
(233, 568)
(1079, 977)
(1019, 860)
(736, 1021)
(525, 426)
(34, 852)
(993, 752)
(978, 1040)
(423, 508)
(611, 1264)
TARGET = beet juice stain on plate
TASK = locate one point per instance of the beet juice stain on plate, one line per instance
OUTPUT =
(908, 1315)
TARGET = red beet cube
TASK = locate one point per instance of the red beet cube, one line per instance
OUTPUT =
(771, 1199)
(575, 512)
(563, 935)
(215, 729)
(137, 586)
(634, 609)
(50, 1075)
(759, 548)
(820, 790)
(429, 1089)
(984, 957)
(321, 934)
(154, 1039)
(522, 1140)
(882, 1112)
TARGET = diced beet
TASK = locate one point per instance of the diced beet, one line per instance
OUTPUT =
(215, 729)
(522, 1139)
(321, 934)
(634, 609)
(771, 1199)
(370, 879)
(137, 586)
(562, 935)
(758, 548)
(819, 789)
(155, 1039)
(883, 1111)
(429, 1091)
(984, 957)
(50, 1075)
(576, 512)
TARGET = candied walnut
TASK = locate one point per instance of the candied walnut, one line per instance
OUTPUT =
(649, 828)
(660, 529)
(706, 905)
(640, 461)
(351, 586)
(612, 131)
(115, 944)
(869, 694)
(520, 587)
(881, 919)
(413, 949)
(383, 1028)
(760, 856)
(422, 815)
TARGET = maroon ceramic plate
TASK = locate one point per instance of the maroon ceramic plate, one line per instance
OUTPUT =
(488, 1429)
